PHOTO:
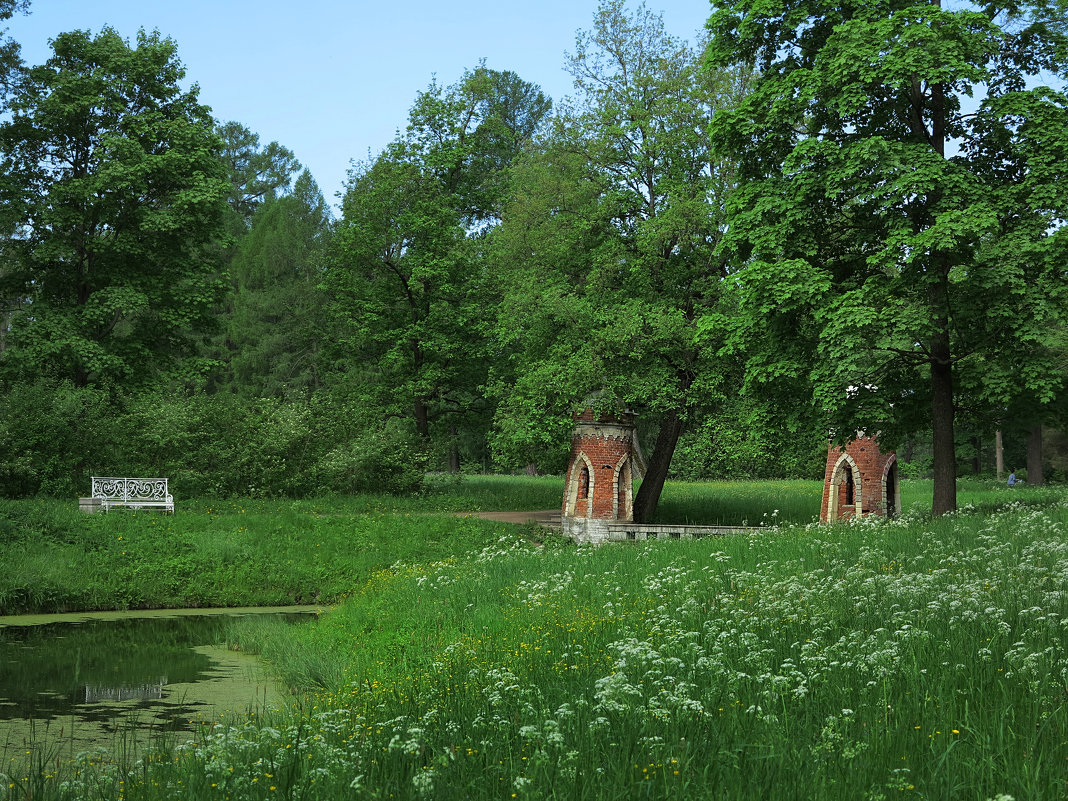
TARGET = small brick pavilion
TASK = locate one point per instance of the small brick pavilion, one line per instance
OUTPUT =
(860, 480)
(600, 473)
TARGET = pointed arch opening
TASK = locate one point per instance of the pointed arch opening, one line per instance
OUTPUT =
(623, 490)
(846, 492)
(580, 487)
(891, 488)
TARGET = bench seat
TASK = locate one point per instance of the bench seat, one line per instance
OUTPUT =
(135, 493)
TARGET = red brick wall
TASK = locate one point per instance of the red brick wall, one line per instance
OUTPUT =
(605, 453)
(871, 462)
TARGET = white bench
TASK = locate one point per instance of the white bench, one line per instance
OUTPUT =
(136, 493)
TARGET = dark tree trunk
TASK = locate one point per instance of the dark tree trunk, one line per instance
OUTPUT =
(944, 446)
(422, 419)
(977, 459)
(648, 497)
(945, 454)
(454, 451)
(1034, 457)
(999, 453)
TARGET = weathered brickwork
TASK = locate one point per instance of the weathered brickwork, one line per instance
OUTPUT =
(599, 474)
(860, 480)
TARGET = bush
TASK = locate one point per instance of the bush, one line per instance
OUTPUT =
(53, 436)
(377, 457)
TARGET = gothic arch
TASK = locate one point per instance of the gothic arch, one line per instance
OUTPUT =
(891, 485)
(622, 490)
(838, 476)
(582, 461)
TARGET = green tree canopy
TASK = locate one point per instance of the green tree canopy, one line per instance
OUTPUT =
(903, 194)
(112, 186)
(608, 251)
(9, 48)
(257, 172)
(409, 282)
(277, 325)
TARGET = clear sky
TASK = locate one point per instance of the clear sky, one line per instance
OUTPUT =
(333, 79)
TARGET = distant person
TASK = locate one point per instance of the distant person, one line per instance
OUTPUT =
(1013, 481)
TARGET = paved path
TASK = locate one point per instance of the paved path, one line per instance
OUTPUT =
(546, 517)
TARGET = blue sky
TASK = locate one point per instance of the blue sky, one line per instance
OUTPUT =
(334, 80)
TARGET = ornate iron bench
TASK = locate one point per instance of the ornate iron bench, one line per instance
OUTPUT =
(136, 493)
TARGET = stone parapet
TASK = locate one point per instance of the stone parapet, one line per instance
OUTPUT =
(594, 532)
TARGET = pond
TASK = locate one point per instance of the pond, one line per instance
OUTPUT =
(115, 680)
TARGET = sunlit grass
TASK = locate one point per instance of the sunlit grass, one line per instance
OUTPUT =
(915, 659)
(923, 658)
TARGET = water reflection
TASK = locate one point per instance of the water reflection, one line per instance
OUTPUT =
(91, 679)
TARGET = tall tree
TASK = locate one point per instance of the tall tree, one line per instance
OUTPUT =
(114, 189)
(408, 280)
(257, 172)
(903, 197)
(276, 328)
(608, 251)
(9, 48)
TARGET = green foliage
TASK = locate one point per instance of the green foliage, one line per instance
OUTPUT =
(256, 174)
(54, 435)
(408, 286)
(384, 457)
(897, 230)
(114, 196)
(277, 323)
(9, 49)
(219, 445)
(747, 438)
(607, 251)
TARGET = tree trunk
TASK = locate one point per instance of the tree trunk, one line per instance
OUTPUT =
(454, 451)
(648, 497)
(1034, 457)
(422, 419)
(977, 458)
(945, 454)
(999, 454)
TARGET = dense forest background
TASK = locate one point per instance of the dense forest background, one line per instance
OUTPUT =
(177, 298)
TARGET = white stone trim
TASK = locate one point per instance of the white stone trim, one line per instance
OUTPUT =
(572, 485)
(837, 476)
(623, 472)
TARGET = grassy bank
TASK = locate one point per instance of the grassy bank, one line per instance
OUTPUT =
(268, 553)
(247, 553)
(916, 659)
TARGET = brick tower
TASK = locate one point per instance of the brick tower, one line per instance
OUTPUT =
(600, 474)
(861, 480)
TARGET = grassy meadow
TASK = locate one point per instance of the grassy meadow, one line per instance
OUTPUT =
(917, 658)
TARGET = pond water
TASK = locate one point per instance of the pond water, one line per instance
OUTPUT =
(72, 683)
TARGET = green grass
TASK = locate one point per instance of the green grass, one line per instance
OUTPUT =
(269, 552)
(920, 659)
(740, 503)
(253, 553)
(917, 659)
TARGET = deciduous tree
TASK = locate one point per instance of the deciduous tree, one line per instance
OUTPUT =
(113, 187)
(409, 281)
(903, 193)
(608, 251)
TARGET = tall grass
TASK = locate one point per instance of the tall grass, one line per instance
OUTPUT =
(764, 503)
(212, 553)
(912, 659)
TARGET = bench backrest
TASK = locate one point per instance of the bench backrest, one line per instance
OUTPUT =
(130, 489)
